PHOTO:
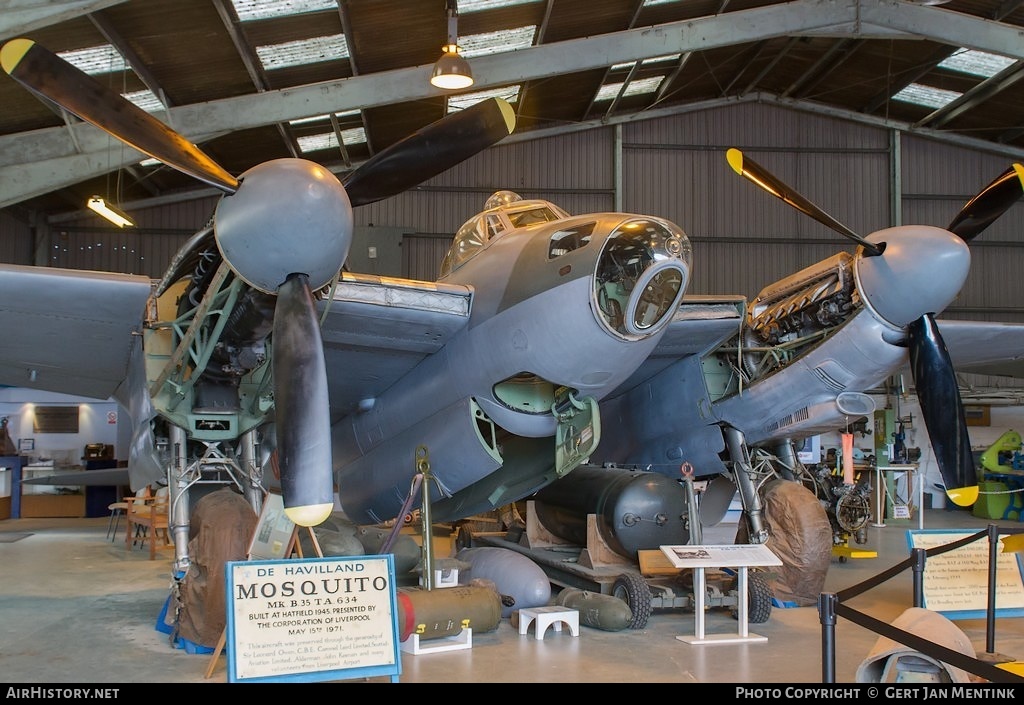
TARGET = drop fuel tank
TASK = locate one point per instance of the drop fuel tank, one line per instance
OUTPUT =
(636, 510)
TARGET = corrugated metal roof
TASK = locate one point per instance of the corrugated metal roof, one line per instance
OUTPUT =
(846, 59)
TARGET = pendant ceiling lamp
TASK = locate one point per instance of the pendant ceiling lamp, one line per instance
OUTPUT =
(452, 71)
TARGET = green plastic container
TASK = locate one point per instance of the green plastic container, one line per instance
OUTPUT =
(993, 500)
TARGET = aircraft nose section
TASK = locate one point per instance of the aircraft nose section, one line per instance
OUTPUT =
(921, 270)
(641, 275)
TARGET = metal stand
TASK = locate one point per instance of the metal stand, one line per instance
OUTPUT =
(910, 469)
(743, 636)
(701, 557)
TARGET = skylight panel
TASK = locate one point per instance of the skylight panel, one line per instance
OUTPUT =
(654, 59)
(303, 51)
(325, 116)
(329, 140)
(663, 57)
(461, 102)
(95, 60)
(262, 9)
(497, 42)
(105, 59)
(145, 99)
(641, 86)
(468, 6)
(313, 143)
(977, 63)
(926, 96)
(353, 135)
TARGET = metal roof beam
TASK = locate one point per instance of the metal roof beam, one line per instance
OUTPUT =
(22, 16)
(46, 159)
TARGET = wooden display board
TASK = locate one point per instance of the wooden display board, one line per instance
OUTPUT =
(313, 619)
(307, 620)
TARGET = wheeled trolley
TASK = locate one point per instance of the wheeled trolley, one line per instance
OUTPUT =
(658, 586)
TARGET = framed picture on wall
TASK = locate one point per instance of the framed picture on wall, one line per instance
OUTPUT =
(26, 444)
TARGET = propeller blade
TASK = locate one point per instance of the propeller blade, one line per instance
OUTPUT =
(942, 409)
(993, 200)
(51, 77)
(748, 168)
(302, 405)
(430, 151)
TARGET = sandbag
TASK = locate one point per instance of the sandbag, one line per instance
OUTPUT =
(220, 531)
(800, 535)
(888, 658)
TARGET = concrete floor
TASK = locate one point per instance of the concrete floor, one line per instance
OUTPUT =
(76, 607)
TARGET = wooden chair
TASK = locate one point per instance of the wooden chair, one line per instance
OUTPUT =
(147, 517)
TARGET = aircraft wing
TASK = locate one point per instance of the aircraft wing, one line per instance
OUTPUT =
(700, 324)
(69, 331)
(378, 328)
(92, 478)
(985, 347)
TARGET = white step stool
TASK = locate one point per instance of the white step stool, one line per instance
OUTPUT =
(543, 617)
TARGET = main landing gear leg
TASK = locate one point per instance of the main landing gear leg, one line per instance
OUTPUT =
(178, 488)
(744, 475)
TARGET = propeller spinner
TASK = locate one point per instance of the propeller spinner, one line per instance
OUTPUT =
(285, 228)
(906, 274)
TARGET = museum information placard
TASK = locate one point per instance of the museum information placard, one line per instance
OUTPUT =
(312, 619)
(955, 583)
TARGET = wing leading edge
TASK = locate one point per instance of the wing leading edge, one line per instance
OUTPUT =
(985, 347)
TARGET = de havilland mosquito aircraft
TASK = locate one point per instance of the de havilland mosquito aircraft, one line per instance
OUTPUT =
(733, 384)
(549, 340)
(257, 350)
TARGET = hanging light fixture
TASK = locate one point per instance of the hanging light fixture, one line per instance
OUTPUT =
(452, 71)
(108, 211)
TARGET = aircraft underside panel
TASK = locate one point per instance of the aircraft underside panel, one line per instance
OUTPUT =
(374, 486)
(663, 423)
(529, 465)
(146, 465)
(384, 327)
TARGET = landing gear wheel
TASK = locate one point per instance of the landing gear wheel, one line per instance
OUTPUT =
(636, 593)
(759, 599)
(463, 538)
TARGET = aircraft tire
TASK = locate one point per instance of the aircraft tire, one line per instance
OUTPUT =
(635, 591)
(759, 599)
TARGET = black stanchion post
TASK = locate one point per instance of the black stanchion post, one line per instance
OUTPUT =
(990, 612)
(920, 556)
(827, 617)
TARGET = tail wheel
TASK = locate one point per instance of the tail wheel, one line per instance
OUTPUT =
(759, 599)
(634, 590)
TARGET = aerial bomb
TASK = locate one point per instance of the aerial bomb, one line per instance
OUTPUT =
(605, 612)
(520, 581)
(433, 614)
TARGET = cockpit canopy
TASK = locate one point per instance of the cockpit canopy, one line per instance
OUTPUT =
(503, 211)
